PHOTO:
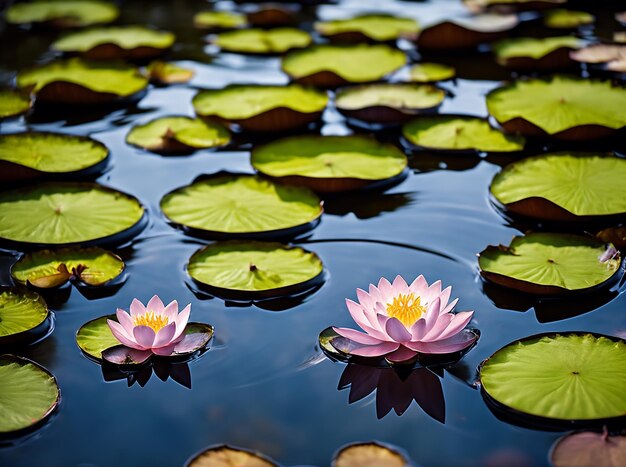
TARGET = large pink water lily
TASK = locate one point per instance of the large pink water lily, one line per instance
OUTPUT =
(402, 320)
(151, 329)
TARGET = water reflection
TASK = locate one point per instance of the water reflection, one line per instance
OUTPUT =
(367, 205)
(164, 370)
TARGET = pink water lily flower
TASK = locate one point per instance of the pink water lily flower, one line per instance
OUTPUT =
(402, 320)
(151, 329)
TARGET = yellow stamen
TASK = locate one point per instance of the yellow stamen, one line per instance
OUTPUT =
(406, 308)
(152, 320)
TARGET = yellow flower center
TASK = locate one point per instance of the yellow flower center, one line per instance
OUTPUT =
(152, 320)
(406, 308)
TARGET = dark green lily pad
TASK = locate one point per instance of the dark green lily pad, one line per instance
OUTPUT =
(334, 65)
(80, 82)
(459, 133)
(165, 73)
(262, 41)
(62, 14)
(29, 394)
(34, 155)
(563, 107)
(567, 186)
(560, 18)
(529, 53)
(223, 455)
(242, 206)
(365, 28)
(550, 264)
(254, 270)
(66, 213)
(115, 42)
(573, 379)
(369, 454)
(178, 134)
(53, 268)
(24, 316)
(13, 103)
(589, 448)
(262, 108)
(219, 20)
(329, 163)
(427, 72)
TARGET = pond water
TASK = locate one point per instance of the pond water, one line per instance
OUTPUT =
(265, 384)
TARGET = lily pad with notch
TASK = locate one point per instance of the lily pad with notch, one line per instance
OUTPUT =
(68, 214)
(219, 20)
(262, 41)
(368, 28)
(335, 65)
(79, 82)
(235, 206)
(34, 155)
(262, 108)
(561, 107)
(228, 455)
(570, 380)
(429, 72)
(564, 187)
(172, 135)
(388, 103)
(330, 164)
(14, 103)
(529, 53)
(29, 395)
(248, 270)
(561, 18)
(548, 264)
(24, 317)
(62, 14)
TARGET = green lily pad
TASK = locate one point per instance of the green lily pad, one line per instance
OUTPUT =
(547, 53)
(216, 20)
(95, 336)
(53, 268)
(63, 13)
(564, 107)
(76, 82)
(329, 163)
(334, 65)
(24, 316)
(13, 103)
(457, 133)
(378, 28)
(565, 186)
(66, 213)
(262, 41)
(550, 264)
(32, 155)
(572, 378)
(560, 18)
(262, 107)
(178, 134)
(161, 72)
(243, 206)
(369, 454)
(589, 448)
(224, 455)
(254, 270)
(426, 72)
(29, 394)
(388, 102)
(113, 42)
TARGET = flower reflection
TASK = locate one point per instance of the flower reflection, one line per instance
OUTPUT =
(164, 370)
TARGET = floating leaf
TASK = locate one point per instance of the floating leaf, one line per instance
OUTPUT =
(587, 448)
(92, 266)
(33, 155)
(24, 316)
(431, 72)
(378, 28)
(368, 454)
(567, 186)
(569, 378)
(63, 13)
(262, 108)
(329, 163)
(95, 336)
(168, 73)
(611, 55)
(564, 107)
(334, 65)
(65, 213)
(253, 270)
(560, 18)
(224, 455)
(262, 41)
(217, 20)
(511, 5)
(549, 53)
(453, 133)
(107, 43)
(80, 82)
(178, 134)
(246, 206)
(28, 394)
(549, 264)
(13, 103)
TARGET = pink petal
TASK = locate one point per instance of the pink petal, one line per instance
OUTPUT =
(171, 311)
(192, 342)
(396, 330)
(181, 321)
(418, 329)
(386, 290)
(360, 317)
(364, 299)
(165, 351)
(120, 334)
(444, 297)
(356, 336)
(400, 286)
(137, 308)
(375, 350)
(432, 313)
(375, 293)
(419, 285)
(401, 355)
(164, 336)
(440, 326)
(125, 320)
(382, 321)
(434, 291)
(449, 307)
(457, 324)
(144, 336)
(155, 305)
(453, 344)
(120, 355)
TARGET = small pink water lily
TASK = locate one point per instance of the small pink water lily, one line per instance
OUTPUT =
(402, 320)
(151, 329)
